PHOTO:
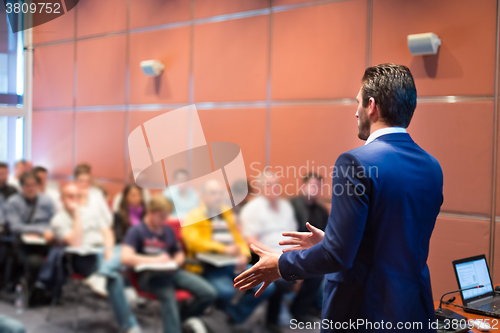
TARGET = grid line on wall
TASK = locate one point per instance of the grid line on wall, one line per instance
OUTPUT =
(127, 93)
(369, 24)
(191, 85)
(267, 151)
(495, 147)
(75, 73)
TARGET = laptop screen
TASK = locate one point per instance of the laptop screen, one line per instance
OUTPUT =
(473, 273)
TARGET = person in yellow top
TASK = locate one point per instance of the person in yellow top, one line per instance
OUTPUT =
(220, 235)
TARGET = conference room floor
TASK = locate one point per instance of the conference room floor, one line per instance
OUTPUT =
(95, 316)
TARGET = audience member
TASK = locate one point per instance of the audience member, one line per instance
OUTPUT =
(241, 194)
(306, 206)
(91, 196)
(152, 242)
(3, 220)
(181, 195)
(264, 220)
(53, 193)
(6, 190)
(307, 209)
(220, 235)
(79, 225)
(130, 213)
(30, 211)
(118, 197)
(28, 215)
(21, 166)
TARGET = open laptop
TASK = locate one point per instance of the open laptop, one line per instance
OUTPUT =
(472, 272)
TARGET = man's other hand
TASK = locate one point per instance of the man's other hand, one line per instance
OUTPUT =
(264, 271)
(303, 240)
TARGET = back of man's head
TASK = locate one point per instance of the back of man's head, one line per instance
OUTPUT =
(393, 89)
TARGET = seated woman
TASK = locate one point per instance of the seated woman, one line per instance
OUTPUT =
(131, 210)
(152, 242)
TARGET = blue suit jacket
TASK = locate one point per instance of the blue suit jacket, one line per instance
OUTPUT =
(376, 243)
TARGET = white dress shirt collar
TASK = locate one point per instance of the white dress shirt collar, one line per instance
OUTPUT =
(383, 131)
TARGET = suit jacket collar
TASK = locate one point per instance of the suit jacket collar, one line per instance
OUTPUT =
(394, 137)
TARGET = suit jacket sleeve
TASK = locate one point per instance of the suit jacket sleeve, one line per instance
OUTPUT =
(346, 224)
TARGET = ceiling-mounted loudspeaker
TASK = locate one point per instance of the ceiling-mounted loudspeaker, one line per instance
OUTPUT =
(424, 44)
(152, 67)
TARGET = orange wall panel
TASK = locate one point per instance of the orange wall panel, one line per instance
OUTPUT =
(170, 47)
(53, 141)
(310, 138)
(460, 137)
(454, 238)
(465, 63)
(100, 141)
(245, 127)
(101, 65)
(208, 8)
(97, 16)
(53, 76)
(319, 52)
(60, 28)
(144, 13)
(230, 60)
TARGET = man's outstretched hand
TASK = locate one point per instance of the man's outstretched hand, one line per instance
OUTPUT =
(303, 240)
(264, 271)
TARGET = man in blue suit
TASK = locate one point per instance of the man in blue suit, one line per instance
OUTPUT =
(386, 197)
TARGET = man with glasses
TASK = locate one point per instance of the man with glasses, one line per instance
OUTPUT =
(30, 211)
(28, 215)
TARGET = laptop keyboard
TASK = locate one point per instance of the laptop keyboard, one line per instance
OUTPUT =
(489, 307)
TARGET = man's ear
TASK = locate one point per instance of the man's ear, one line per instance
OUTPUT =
(373, 109)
